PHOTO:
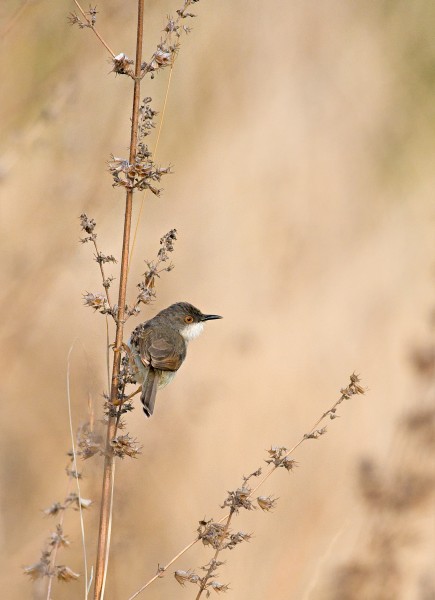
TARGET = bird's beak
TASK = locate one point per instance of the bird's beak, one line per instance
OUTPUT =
(210, 317)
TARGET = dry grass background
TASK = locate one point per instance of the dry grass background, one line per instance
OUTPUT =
(302, 136)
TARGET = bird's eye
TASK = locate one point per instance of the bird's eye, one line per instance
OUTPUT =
(188, 319)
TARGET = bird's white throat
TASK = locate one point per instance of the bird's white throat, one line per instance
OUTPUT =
(190, 332)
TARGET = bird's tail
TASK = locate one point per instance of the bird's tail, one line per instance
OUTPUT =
(149, 390)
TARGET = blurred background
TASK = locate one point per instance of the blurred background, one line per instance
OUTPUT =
(303, 142)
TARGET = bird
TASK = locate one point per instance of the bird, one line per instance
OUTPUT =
(157, 348)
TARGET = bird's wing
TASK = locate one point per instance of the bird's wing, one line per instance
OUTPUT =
(164, 350)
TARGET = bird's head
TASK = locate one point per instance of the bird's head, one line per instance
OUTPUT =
(188, 320)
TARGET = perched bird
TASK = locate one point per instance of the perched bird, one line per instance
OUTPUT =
(157, 348)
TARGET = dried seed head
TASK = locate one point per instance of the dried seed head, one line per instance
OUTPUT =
(91, 18)
(239, 499)
(64, 573)
(93, 15)
(86, 223)
(353, 388)
(89, 443)
(74, 20)
(218, 587)
(124, 445)
(211, 533)
(279, 458)
(81, 503)
(277, 452)
(183, 576)
(163, 57)
(102, 258)
(96, 301)
(172, 27)
(121, 64)
(57, 538)
(266, 503)
(314, 435)
(54, 509)
(237, 538)
(137, 175)
(39, 569)
(75, 502)
(288, 463)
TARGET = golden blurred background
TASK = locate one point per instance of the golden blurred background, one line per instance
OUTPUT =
(302, 136)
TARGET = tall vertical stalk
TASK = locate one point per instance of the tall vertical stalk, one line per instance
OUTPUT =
(108, 473)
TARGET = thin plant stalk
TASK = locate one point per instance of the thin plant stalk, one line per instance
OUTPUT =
(108, 473)
(312, 433)
(76, 473)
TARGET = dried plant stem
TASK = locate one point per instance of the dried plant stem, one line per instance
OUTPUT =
(105, 508)
(91, 26)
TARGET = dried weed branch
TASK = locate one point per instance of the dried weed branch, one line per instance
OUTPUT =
(97, 301)
(146, 287)
(90, 19)
(46, 566)
(219, 536)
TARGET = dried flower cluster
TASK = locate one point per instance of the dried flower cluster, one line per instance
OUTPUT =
(266, 502)
(217, 535)
(124, 445)
(90, 18)
(139, 175)
(239, 498)
(89, 442)
(279, 457)
(146, 120)
(71, 501)
(122, 65)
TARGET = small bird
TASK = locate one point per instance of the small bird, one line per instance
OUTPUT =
(157, 348)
